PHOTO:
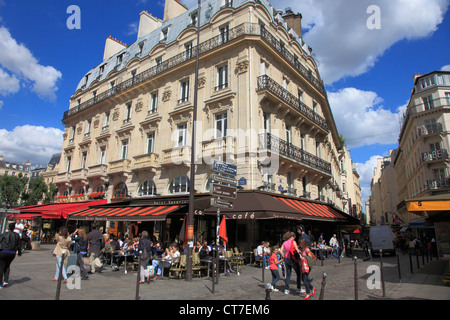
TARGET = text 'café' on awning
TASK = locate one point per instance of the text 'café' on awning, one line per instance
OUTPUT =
(255, 216)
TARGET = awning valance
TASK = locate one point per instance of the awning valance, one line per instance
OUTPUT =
(58, 210)
(125, 213)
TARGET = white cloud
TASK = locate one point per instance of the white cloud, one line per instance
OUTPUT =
(344, 45)
(446, 68)
(365, 171)
(34, 143)
(20, 62)
(361, 118)
(133, 28)
(8, 83)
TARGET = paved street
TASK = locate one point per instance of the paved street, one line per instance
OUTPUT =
(31, 277)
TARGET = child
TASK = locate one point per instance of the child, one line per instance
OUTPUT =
(273, 261)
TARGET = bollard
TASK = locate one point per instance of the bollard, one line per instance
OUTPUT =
(428, 254)
(321, 256)
(213, 276)
(268, 287)
(423, 258)
(262, 267)
(417, 258)
(410, 261)
(356, 277)
(382, 273)
(138, 278)
(58, 286)
(322, 290)
(398, 266)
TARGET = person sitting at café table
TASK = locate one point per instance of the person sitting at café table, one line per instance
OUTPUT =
(325, 248)
(125, 253)
(170, 257)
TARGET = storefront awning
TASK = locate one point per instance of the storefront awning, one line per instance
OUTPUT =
(261, 205)
(57, 210)
(125, 213)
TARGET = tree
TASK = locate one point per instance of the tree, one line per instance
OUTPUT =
(342, 140)
(50, 194)
(11, 188)
(37, 189)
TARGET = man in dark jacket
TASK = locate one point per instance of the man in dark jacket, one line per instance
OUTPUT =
(9, 245)
(95, 242)
(144, 251)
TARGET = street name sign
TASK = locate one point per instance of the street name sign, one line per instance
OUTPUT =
(223, 191)
(223, 167)
(221, 203)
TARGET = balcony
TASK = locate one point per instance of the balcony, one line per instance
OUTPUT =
(121, 167)
(244, 29)
(438, 184)
(63, 178)
(288, 150)
(267, 83)
(225, 147)
(430, 129)
(434, 155)
(177, 156)
(98, 171)
(79, 174)
(146, 162)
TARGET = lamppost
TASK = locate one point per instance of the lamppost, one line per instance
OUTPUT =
(190, 230)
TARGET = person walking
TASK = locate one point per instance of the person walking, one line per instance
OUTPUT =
(334, 244)
(9, 246)
(95, 243)
(306, 268)
(81, 244)
(287, 251)
(274, 262)
(62, 249)
(144, 250)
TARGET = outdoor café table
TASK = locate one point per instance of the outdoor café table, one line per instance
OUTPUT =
(208, 261)
(250, 253)
(125, 255)
(238, 259)
(161, 265)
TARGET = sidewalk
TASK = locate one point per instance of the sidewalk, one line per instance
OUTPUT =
(31, 277)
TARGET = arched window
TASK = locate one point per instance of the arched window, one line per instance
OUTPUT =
(148, 188)
(99, 189)
(120, 191)
(179, 185)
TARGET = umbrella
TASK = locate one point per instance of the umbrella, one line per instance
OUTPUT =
(357, 231)
(223, 230)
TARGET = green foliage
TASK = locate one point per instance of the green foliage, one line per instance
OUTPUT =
(11, 188)
(37, 189)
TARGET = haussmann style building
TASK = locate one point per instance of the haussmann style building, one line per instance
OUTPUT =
(261, 106)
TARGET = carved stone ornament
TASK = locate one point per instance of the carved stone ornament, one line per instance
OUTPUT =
(115, 115)
(201, 82)
(139, 106)
(96, 122)
(79, 129)
(242, 66)
(166, 95)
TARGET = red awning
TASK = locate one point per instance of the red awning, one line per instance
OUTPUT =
(23, 216)
(59, 210)
(128, 213)
(312, 210)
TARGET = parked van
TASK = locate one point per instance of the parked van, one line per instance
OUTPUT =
(381, 237)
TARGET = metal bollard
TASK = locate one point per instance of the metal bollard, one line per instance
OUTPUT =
(423, 258)
(138, 278)
(322, 290)
(382, 273)
(356, 276)
(410, 261)
(262, 267)
(398, 266)
(321, 256)
(417, 259)
(213, 276)
(268, 290)
(58, 286)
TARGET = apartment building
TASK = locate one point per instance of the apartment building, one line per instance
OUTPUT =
(261, 105)
(14, 168)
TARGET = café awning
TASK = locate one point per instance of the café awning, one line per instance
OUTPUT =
(57, 210)
(261, 205)
(126, 213)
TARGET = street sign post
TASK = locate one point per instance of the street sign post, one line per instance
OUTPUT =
(223, 167)
(224, 179)
(220, 203)
(223, 191)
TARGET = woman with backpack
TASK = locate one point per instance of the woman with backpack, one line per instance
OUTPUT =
(81, 244)
(9, 246)
(307, 261)
(291, 254)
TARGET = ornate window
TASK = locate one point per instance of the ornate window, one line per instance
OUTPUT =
(148, 188)
(179, 185)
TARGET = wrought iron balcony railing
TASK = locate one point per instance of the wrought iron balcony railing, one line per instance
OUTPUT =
(273, 143)
(243, 29)
(429, 129)
(265, 82)
(438, 183)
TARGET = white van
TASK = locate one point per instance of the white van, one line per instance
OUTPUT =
(381, 237)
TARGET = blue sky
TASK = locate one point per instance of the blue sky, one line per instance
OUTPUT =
(368, 72)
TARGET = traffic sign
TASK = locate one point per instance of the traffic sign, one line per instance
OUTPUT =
(223, 179)
(221, 203)
(223, 167)
(223, 191)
